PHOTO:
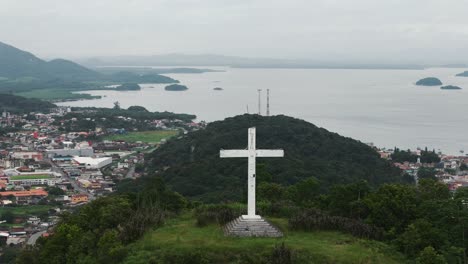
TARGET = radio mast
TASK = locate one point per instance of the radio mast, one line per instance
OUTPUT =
(259, 101)
(268, 103)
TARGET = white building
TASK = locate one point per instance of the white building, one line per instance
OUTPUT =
(92, 163)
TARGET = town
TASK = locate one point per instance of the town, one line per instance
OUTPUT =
(53, 162)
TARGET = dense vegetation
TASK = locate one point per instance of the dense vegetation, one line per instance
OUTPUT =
(450, 87)
(18, 104)
(99, 231)
(88, 118)
(429, 81)
(21, 71)
(426, 156)
(191, 165)
(128, 87)
(175, 87)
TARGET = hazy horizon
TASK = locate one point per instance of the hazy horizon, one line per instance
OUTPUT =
(362, 31)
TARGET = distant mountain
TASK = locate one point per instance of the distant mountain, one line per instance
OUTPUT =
(191, 164)
(16, 63)
(22, 71)
(231, 61)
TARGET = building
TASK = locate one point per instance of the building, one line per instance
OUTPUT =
(92, 163)
(79, 198)
(33, 179)
(24, 197)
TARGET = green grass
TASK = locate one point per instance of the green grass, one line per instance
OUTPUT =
(26, 210)
(179, 237)
(145, 136)
(34, 176)
(55, 95)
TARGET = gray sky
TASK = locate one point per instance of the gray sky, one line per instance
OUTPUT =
(391, 31)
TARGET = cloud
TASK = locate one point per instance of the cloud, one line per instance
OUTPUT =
(410, 30)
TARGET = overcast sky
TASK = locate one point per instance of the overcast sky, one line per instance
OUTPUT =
(419, 31)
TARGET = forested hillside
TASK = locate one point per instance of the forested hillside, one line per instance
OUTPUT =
(18, 104)
(191, 165)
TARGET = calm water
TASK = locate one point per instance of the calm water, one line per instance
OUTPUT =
(379, 106)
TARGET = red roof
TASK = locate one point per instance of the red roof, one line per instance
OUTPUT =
(25, 193)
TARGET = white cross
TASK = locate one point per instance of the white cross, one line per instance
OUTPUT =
(252, 153)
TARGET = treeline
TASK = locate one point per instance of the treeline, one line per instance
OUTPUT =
(406, 155)
(17, 104)
(99, 231)
(90, 118)
(420, 221)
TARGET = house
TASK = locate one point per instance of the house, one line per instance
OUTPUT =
(79, 198)
(24, 197)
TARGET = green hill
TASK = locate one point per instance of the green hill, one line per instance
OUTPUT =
(16, 63)
(21, 71)
(181, 241)
(192, 167)
(18, 104)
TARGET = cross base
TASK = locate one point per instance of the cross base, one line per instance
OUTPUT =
(251, 217)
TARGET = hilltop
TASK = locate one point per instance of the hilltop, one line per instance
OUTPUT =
(16, 63)
(192, 167)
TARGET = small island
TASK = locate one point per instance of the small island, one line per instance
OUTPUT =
(463, 74)
(128, 87)
(450, 87)
(218, 89)
(429, 81)
(175, 87)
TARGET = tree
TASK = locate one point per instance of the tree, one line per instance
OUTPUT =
(429, 256)
(419, 235)
(8, 216)
(426, 173)
(392, 207)
(55, 191)
(347, 200)
(304, 192)
(270, 192)
(137, 108)
(117, 105)
(433, 189)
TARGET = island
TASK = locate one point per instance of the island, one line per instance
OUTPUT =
(128, 87)
(218, 89)
(175, 87)
(450, 87)
(463, 74)
(429, 81)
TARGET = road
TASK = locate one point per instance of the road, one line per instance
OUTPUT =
(130, 172)
(73, 183)
(33, 238)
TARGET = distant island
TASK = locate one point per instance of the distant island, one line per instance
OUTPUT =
(128, 87)
(218, 89)
(175, 87)
(429, 81)
(463, 74)
(450, 87)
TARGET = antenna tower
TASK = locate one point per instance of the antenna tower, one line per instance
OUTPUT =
(259, 101)
(268, 103)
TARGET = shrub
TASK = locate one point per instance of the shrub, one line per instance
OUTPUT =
(214, 214)
(312, 219)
